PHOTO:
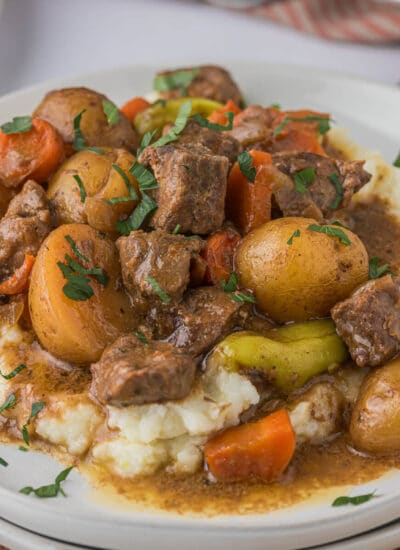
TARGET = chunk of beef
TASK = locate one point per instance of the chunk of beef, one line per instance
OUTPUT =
(131, 372)
(211, 82)
(253, 128)
(191, 187)
(206, 316)
(369, 321)
(318, 201)
(161, 256)
(24, 226)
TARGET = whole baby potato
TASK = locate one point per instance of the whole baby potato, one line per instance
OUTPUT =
(101, 182)
(72, 330)
(375, 421)
(60, 107)
(296, 273)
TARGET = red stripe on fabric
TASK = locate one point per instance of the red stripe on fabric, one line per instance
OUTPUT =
(292, 15)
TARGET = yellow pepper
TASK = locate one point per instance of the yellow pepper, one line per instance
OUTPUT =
(289, 355)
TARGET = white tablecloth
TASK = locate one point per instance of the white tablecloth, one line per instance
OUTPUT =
(43, 39)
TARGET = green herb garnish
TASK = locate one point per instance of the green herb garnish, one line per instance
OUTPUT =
(132, 191)
(164, 297)
(276, 106)
(9, 402)
(201, 121)
(48, 491)
(35, 409)
(295, 234)
(334, 179)
(111, 111)
(177, 229)
(338, 223)
(241, 297)
(162, 102)
(376, 271)
(141, 337)
(331, 232)
(143, 176)
(3, 462)
(355, 501)
(148, 136)
(303, 178)
(180, 123)
(13, 373)
(323, 123)
(23, 449)
(231, 286)
(397, 161)
(79, 140)
(245, 161)
(138, 216)
(18, 125)
(82, 189)
(176, 80)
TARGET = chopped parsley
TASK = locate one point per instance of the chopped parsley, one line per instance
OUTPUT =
(295, 234)
(49, 491)
(331, 232)
(397, 161)
(82, 189)
(180, 123)
(79, 140)
(144, 177)
(8, 403)
(111, 111)
(23, 449)
(241, 297)
(231, 287)
(11, 375)
(132, 191)
(245, 161)
(303, 178)
(177, 80)
(148, 136)
(177, 229)
(18, 125)
(138, 216)
(78, 282)
(355, 501)
(201, 121)
(334, 179)
(35, 409)
(276, 106)
(164, 297)
(3, 462)
(338, 223)
(323, 123)
(375, 270)
(162, 102)
(141, 337)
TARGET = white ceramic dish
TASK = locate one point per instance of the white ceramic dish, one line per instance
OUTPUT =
(371, 112)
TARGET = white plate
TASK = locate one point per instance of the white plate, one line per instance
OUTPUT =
(371, 112)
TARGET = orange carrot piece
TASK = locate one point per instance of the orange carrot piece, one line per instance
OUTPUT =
(248, 204)
(260, 450)
(298, 135)
(218, 254)
(34, 154)
(219, 115)
(134, 106)
(19, 281)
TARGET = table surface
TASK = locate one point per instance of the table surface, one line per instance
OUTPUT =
(45, 39)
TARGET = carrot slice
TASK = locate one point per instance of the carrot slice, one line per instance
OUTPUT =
(34, 154)
(218, 254)
(19, 281)
(261, 449)
(134, 106)
(298, 135)
(248, 204)
(219, 115)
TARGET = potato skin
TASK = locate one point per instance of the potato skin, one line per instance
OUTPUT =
(375, 421)
(77, 331)
(302, 280)
(101, 182)
(60, 107)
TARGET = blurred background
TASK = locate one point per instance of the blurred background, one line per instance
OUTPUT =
(44, 39)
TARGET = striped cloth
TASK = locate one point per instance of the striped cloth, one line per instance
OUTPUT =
(370, 21)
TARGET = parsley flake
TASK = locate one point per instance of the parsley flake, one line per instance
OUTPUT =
(132, 191)
(331, 232)
(231, 287)
(303, 178)
(245, 161)
(201, 121)
(176, 80)
(148, 136)
(334, 179)
(79, 143)
(18, 125)
(141, 337)
(340, 224)
(49, 491)
(82, 189)
(111, 111)
(295, 234)
(8, 403)
(180, 123)
(177, 229)
(23, 449)
(376, 271)
(241, 297)
(11, 375)
(397, 161)
(276, 106)
(143, 176)
(323, 123)
(3, 462)
(164, 297)
(138, 216)
(355, 501)
(35, 409)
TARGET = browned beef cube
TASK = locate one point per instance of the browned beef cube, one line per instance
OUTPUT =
(24, 226)
(191, 187)
(319, 201)
(205, 317)
(369, 321)
(132, 372)
(254, 129)
(211, 82)
(164, 257)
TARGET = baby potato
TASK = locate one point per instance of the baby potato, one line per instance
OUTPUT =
(60, 107)
(78, 331)
(101, 182)
(296, 273)
(375, 421)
